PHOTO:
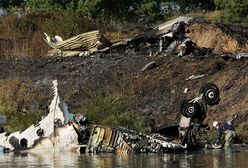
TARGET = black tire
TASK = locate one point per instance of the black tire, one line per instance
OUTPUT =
(211, 97)
(189, 109)
(208, 86)
(24, 142)
(210, 94)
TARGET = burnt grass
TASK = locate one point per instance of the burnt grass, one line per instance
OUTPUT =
(158, 91)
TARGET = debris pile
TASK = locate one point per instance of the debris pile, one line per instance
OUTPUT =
(61, 130)
(81, 44)
(168, 38)
(123, 140)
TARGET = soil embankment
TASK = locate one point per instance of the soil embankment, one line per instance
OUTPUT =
(159, 91)
(220, 38)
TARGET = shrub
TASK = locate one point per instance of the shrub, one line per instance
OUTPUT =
(20, 121)
(114, 110)
(210, 137)
(20, 103)
(234, 11)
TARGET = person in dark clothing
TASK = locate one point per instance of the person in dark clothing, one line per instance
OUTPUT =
(227, 129)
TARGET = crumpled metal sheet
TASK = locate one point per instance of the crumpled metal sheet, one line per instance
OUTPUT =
(81, 42)
(193, 77)
(122, 140)
(166, 27)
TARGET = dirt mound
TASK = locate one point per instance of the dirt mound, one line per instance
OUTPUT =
(219, 37)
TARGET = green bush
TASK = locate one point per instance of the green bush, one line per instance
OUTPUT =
(20, 121)
(114, 110)
(150, 10)
(8, 110)
(208, 136)
(19, 102)
(234, 12)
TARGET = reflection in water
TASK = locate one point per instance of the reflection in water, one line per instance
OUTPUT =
(45, 159)
(204, 159)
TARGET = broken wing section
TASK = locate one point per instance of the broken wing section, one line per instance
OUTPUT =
(46, 131)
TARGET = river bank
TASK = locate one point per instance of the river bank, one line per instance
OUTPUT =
(156, 94)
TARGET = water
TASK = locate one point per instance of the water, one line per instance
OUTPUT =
(201, 159)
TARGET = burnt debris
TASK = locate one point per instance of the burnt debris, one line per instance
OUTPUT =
(168, 38)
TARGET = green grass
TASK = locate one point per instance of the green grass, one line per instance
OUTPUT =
(21, 121)
(114, 110)
(15, 98)
(109, 110)
(209, 137)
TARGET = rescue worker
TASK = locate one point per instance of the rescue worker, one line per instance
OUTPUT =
(227, 129)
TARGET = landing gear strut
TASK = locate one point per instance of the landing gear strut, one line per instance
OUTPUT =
(194, 111)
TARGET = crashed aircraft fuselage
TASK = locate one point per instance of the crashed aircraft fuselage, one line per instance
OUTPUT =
(47, 134)
(60, 130)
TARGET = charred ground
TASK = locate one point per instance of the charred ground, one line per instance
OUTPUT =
(157, 92)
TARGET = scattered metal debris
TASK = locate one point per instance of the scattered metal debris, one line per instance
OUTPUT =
(61, 130)
(53, 132)
(193, 77)
(149, 66)
(74, 46)
(168, 38)
(122, 140)
(165, 28)
(227, 56)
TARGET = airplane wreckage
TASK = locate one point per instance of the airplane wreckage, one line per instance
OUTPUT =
(168, 38)
(60, 130)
